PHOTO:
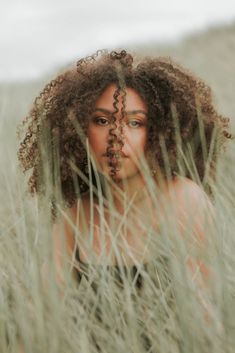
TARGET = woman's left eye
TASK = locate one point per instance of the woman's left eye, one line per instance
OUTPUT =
(136, 123)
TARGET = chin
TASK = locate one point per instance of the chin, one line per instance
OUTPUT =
(121, 174)
(126, 175)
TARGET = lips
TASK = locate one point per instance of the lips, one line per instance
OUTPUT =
(112, 154)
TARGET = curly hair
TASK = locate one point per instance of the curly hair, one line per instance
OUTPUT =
(170, 92)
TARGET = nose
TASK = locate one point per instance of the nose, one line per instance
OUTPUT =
(115, 148)
(116, 141)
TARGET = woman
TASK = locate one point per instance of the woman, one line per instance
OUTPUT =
(119, 131)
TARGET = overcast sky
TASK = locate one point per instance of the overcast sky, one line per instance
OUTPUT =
(35, 36)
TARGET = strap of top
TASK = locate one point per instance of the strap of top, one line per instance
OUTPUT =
(78, 256)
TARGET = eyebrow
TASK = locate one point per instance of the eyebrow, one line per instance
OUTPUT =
(129, 112)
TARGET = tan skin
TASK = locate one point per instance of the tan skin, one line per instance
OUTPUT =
(175, 193)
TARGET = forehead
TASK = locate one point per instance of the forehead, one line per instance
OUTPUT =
(132, 100)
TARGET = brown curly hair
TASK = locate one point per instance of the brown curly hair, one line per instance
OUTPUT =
(171, 93)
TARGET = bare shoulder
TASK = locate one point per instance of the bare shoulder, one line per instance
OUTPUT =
(190, 200)
(186, 189)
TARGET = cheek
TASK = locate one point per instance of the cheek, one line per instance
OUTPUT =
(96, 140)
(139, 142)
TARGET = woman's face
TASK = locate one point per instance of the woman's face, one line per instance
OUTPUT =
(134, 131)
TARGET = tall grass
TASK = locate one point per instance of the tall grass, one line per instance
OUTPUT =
(173, 310)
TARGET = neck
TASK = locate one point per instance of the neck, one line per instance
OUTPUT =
(133, 188)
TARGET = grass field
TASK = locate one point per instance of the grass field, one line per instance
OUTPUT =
(174, 312)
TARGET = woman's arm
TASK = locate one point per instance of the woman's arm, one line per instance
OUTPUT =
(62, 238)
(62, 235)
(196, 212)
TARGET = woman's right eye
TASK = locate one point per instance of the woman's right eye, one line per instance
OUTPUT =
(100, 121)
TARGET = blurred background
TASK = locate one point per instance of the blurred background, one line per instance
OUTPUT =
(38, 35)
(37, 38)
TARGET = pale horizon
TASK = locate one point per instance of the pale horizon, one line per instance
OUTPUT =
(39, 37)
